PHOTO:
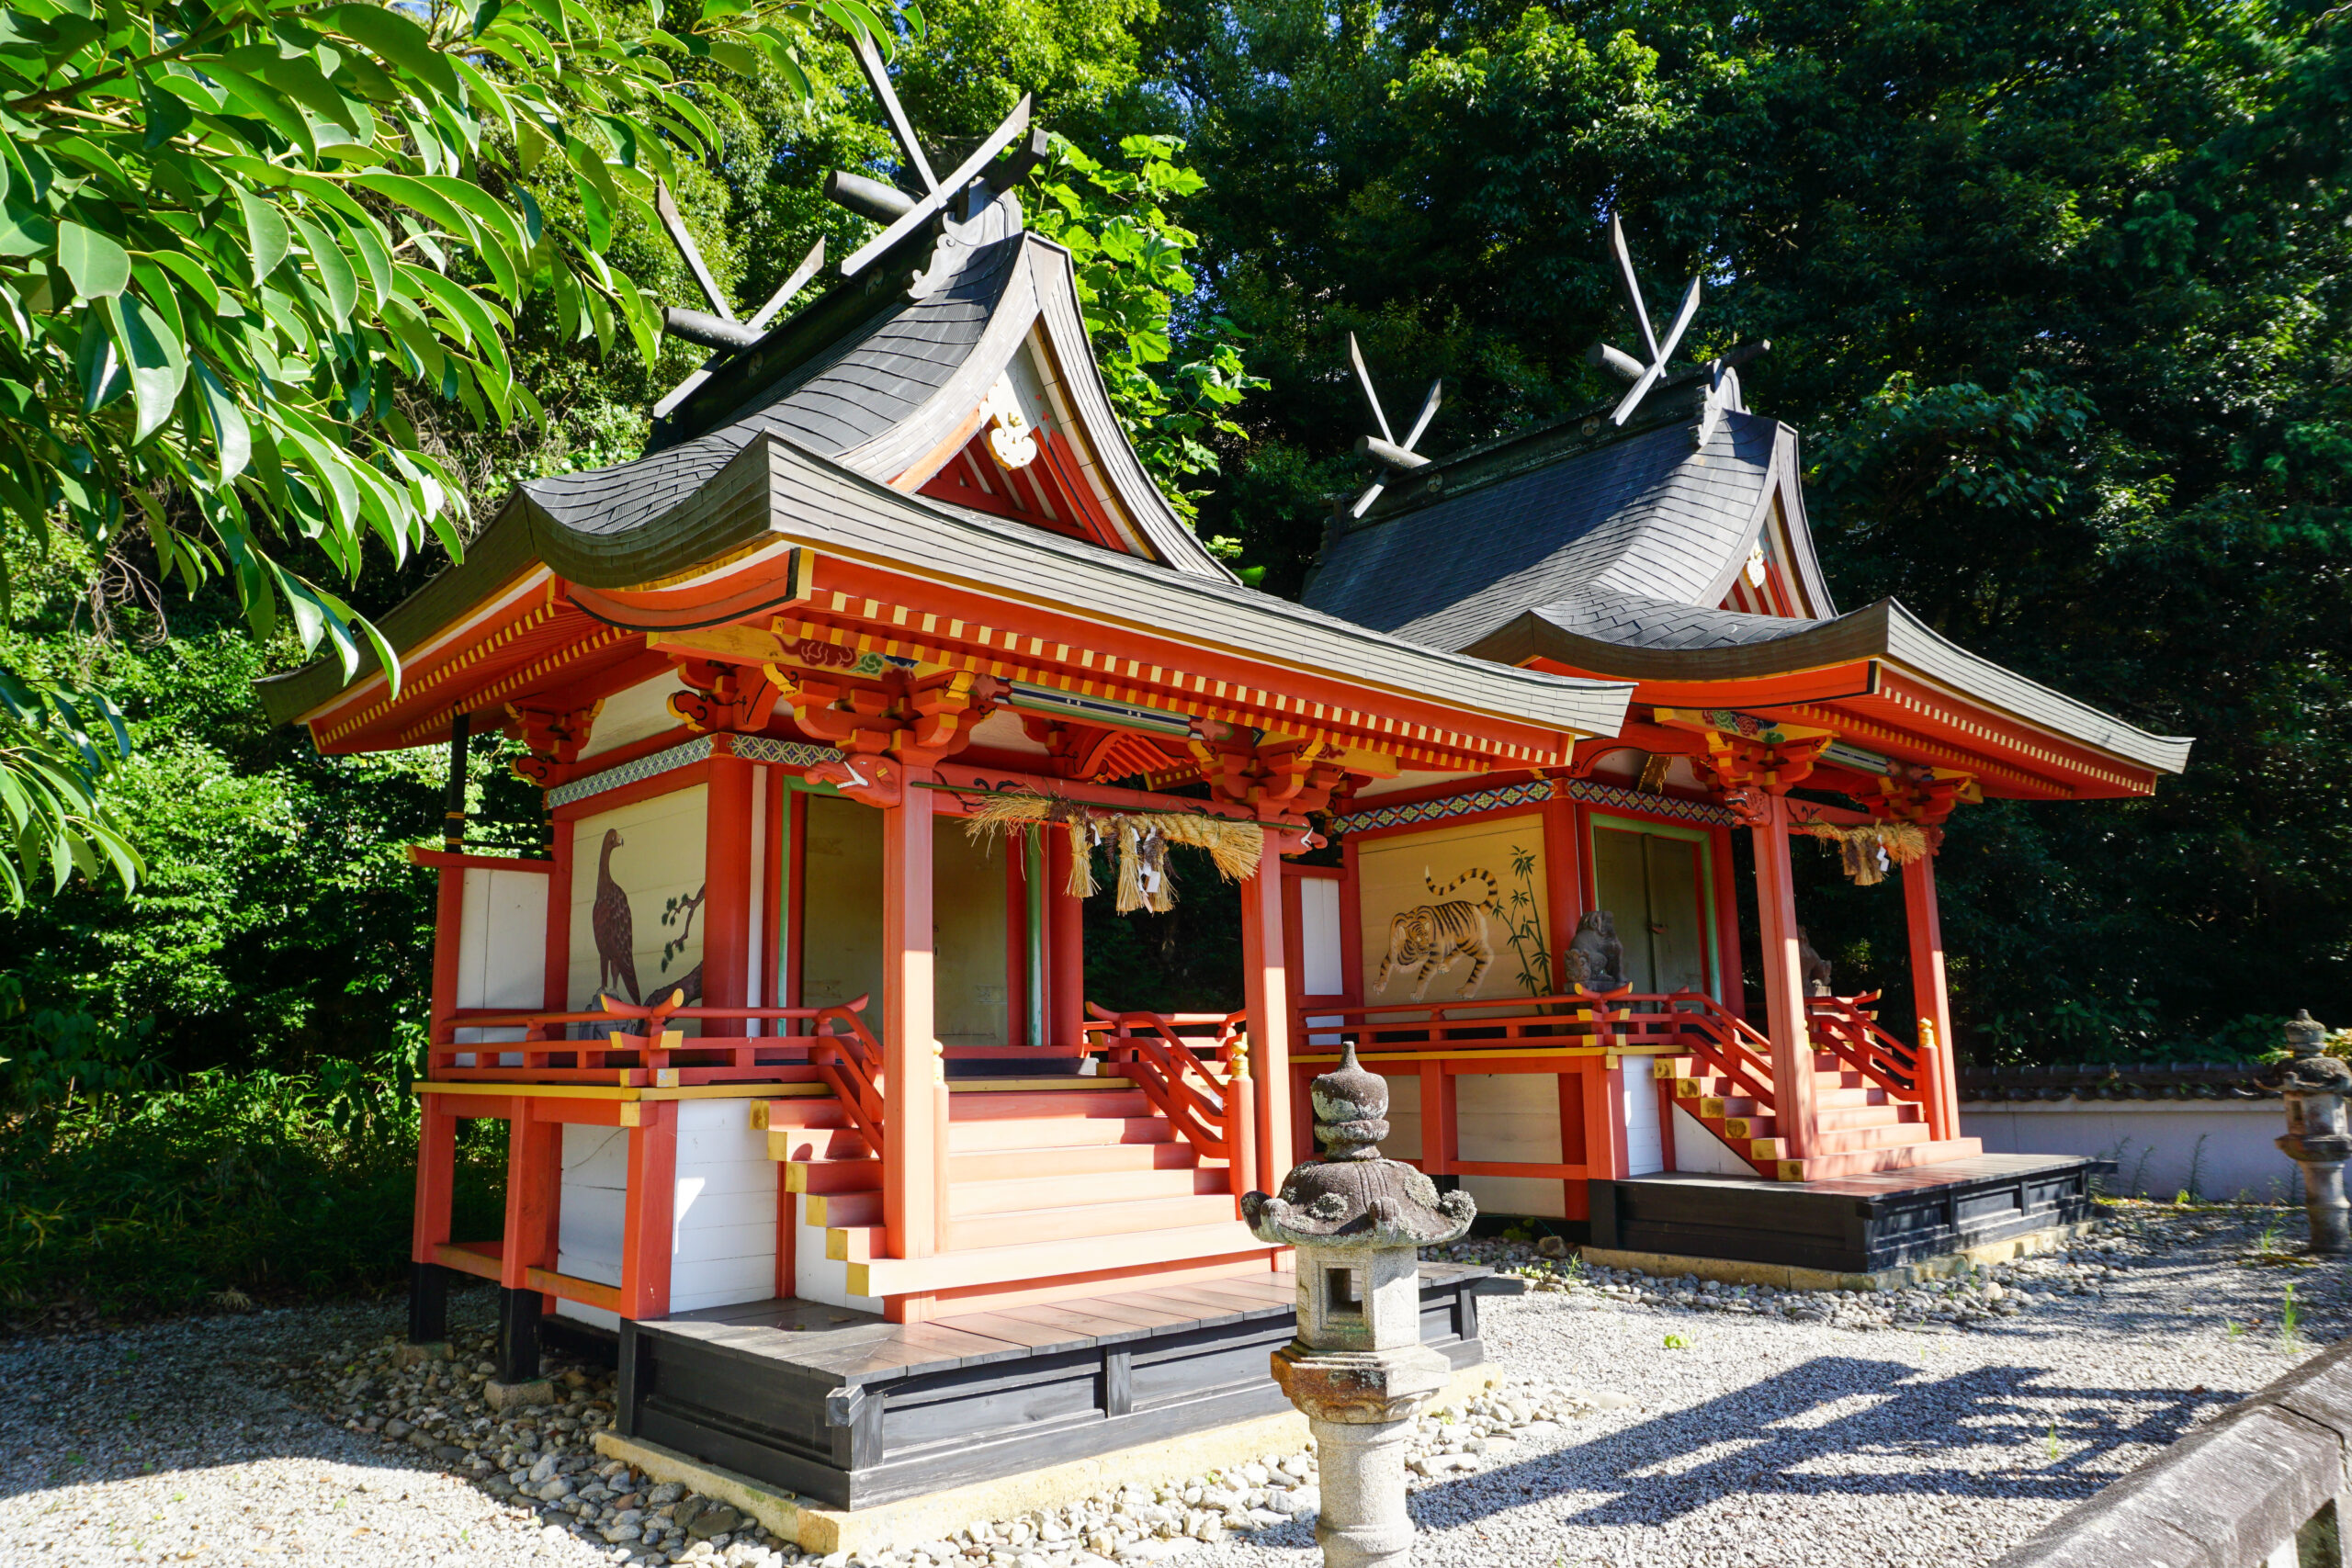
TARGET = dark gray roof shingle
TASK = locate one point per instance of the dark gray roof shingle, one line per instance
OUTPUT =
(1646, 515)
(880, 374)
(1631, 620)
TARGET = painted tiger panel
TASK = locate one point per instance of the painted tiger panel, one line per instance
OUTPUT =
(1429, 939)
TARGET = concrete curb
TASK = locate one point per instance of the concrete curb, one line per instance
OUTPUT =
(2229, 1494)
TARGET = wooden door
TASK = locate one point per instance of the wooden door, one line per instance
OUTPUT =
(1650, 882)
(1621, 882)
(1677, 940)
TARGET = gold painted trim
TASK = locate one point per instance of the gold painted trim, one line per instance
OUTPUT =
(612, 1091)
(1612, 1052)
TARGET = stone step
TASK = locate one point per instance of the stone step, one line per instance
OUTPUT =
(1056, 1133)
(970, 1199)
(1865, 1162)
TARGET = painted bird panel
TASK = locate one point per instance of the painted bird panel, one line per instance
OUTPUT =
(614, 927)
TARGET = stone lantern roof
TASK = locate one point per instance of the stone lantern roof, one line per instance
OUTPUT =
(2310, 1070)
(1351, 1196)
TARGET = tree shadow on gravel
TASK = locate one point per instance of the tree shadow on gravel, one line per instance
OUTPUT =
(1845, 1426)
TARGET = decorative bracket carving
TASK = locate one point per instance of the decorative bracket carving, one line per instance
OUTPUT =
(916, 721)
(1011, 440)
(1924, 796)
(1281, 780)
(720, 696)
(867, 779)
(553, 737)
(1748, 771)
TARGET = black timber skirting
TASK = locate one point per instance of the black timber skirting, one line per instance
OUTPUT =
(851, 1411)
(581, 1341)
(1849, 1225)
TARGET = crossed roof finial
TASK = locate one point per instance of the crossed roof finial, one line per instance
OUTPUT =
(901, 214)
(898, 213)
(1398, 458)
(1723, 380)
(1648, 374)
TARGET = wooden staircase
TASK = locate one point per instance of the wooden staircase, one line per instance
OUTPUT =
(1048, 1181)
(1860, 1127)
(1868, 1093)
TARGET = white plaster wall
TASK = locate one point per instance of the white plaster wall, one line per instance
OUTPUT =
(502, 951)
(1645, 1154)
(1510, 1117)
(1700, 1152)
(2213, 1149)
(1319, 936)
(1404, 1140)
(723, 1214)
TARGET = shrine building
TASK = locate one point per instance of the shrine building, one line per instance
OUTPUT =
(888, 654)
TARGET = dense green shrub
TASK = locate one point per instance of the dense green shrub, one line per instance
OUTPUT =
(253, 1186)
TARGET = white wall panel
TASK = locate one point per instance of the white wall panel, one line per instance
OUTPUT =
(502, 950)
(723, 1210)
(1319, 936)
(1644, 1154)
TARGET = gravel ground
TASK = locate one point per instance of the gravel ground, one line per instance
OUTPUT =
(1641, 1421)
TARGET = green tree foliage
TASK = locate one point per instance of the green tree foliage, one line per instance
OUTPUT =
(1131, 267)
(2057, 294)
(235, 241)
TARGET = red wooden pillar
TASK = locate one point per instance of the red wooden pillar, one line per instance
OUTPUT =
(1724, 897)
(1776, 907)
(1265, 991)
(1437, 1119)
(727, 881)
(650, 1200)
(1350, 924)
(1563, 881)
(910, 1066)
(533, 1188)
(1066, 948)
(1930, 1000)
(1665, 1090)
(556, 991)
(795, 900)
(1604, 1116)
(773, 899)
(436, 1161)
(448, 940)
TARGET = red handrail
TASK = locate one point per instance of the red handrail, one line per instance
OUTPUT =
(1680, 1022)
(1843, 1026)
(1727, 1043)
(1180, 1085)
(833, 1035)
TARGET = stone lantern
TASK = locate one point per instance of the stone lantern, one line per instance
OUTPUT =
(1357, 1368)
(2315, 1086)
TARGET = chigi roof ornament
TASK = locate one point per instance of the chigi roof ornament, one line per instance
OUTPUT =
(900, 213)
(1722, 376)
(1398, 458)
(960, 195)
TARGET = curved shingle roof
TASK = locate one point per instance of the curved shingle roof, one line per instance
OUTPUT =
(1646, 515)
(876, 375)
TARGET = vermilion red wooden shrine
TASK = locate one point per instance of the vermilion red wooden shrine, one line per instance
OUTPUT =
(765, 1022)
